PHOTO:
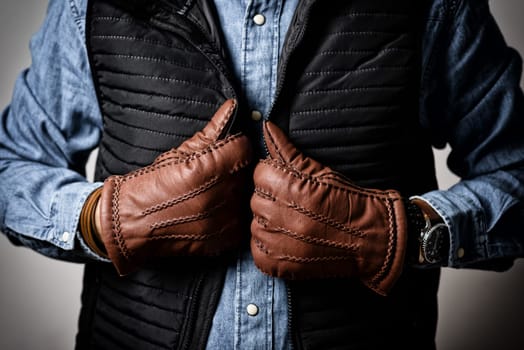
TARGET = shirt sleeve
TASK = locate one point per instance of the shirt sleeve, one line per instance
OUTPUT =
(472, 100)
(46, 135)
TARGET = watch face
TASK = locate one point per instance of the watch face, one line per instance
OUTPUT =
(434, 243)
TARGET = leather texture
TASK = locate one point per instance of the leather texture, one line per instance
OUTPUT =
(187, 202)
(312, 222)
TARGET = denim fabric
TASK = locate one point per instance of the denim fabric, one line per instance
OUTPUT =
(470, 99)
(46, 134)
(254, 49)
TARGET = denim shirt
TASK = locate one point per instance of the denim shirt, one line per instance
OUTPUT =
(470, 99)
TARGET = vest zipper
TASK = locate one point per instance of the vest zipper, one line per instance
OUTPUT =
(192, 315)
(282, 71)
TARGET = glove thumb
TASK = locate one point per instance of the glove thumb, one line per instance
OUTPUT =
(279, 146)
(215, 129)
(281, 149)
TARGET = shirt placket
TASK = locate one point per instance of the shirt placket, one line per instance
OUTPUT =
(254, 290)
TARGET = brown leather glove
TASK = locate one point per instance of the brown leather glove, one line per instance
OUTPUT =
(187, 202)
(312, 222)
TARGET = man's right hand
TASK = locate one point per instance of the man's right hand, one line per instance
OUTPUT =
(187, 202)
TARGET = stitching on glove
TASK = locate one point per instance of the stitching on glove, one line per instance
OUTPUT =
(188, 195)
(264, 194)
(302, 176)
(326, 220)
(239, 166)
(186, 237)
(195, 155)
(392, 242)
(260, 246)
(294, 259)
(318, 241)
(277, 150)
(317, 259)
(186, 219)
(300, 259)
(229, 112)
(115, 215)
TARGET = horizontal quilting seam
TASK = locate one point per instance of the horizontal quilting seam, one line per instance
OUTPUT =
(348, 147)
(374, 14)
(191, 119)
(364, 52)
(101, 163)
(117, 323)
(163, 289)
(366, 33)
(356, 71)
(159, 78)
(349, 90)
(350, 163)
(160, 96)
(343, 109)
(106, 152)
(102, 332)
(138, 316)
(116, 37)
(113, 19)
(341, 129)
(153, 59)
(149, 131)
(127, 144)
(153, 114)
(173, 294)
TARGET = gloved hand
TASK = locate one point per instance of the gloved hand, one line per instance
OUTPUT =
(187, 202)
(312, 222)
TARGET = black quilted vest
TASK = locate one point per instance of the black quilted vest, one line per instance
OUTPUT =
(347, 96)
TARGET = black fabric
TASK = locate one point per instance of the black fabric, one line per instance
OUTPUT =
(167, 306)
(353, 104)
(155, 87)
(343, 314)
(347, 96)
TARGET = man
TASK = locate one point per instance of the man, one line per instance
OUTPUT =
(345, 122)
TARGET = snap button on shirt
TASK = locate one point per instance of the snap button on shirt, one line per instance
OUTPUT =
(65, 236)
(256, 115)
(252, 310)
(259, 19)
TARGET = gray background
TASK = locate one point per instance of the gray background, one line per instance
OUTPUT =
(40, 297)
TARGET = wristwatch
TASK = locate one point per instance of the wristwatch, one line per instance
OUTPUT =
(433, 235)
